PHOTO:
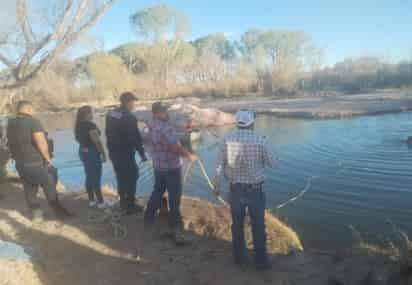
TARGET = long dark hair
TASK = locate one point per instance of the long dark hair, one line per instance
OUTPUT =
(81, 116)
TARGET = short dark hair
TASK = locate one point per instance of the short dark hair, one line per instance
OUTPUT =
(127, 97)
(158, 107)
(23, 104)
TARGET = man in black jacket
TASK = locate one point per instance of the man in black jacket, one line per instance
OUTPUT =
(123, 139)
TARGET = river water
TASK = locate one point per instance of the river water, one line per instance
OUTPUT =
(362, 167)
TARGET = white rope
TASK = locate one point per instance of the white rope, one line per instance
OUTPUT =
(113, 217)
(187, 171)
(211, 185)
(301, 193)
(307, 187)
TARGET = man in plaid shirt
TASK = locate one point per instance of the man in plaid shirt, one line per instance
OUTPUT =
(243, 157)
(166, 155)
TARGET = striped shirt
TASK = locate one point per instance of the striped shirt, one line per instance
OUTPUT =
(243, 157)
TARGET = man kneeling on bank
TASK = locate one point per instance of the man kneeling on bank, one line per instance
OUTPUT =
(243, 156)
(28, 145)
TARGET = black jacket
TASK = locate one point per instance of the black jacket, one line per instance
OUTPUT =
(122, 132)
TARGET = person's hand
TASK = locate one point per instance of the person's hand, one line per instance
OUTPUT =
(144, 158)
(193, 157)
(49, 164)
(216, 186)
(104, 158)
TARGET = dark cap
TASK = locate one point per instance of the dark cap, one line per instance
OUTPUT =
(127, 97)
(158, 107)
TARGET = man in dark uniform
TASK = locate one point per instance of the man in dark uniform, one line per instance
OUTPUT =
(28, 146)
(123, 139)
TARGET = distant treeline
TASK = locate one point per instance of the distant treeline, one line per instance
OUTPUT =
(359, 75)
(162, 62)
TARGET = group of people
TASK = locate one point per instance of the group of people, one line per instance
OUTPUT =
(243, 156)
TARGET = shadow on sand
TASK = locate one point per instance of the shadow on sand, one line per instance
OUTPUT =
(79, 252)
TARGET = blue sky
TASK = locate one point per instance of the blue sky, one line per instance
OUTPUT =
(343, 28)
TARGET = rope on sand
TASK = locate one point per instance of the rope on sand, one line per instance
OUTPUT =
(113, 217)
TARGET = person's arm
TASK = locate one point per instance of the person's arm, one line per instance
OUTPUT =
(95, 137)
(269, 159)
(174, 145)
(146, 133)
(42, 146)
(178, 149)
(135, 138)
(221, 164)
(139, 145)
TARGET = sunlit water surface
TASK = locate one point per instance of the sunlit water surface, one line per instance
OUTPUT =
(363, 168)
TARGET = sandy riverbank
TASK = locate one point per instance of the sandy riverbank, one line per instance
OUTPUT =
(81, 251)
(325, 107)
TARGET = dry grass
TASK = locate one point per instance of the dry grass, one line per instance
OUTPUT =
(209, 220)
(398, 248)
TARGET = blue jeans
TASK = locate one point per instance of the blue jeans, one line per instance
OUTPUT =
(253, 198)
(170, 180)
(92, 163)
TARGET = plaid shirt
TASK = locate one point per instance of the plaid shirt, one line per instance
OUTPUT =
(162, 134)
(243, 156)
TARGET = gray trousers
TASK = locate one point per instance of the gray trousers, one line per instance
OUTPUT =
(37, 174)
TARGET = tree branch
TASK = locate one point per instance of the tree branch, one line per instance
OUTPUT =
(64, 37)
(96, 16)
(6, 61)
(60, 25)
(23, 21)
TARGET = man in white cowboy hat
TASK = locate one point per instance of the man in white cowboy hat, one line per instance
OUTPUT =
(242, 159)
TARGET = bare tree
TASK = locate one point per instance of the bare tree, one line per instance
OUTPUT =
(39, 31)
(165, 28)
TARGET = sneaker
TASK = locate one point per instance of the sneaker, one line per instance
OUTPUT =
(92, 204)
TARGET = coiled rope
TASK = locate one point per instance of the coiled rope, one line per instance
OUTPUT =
(113, 218)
